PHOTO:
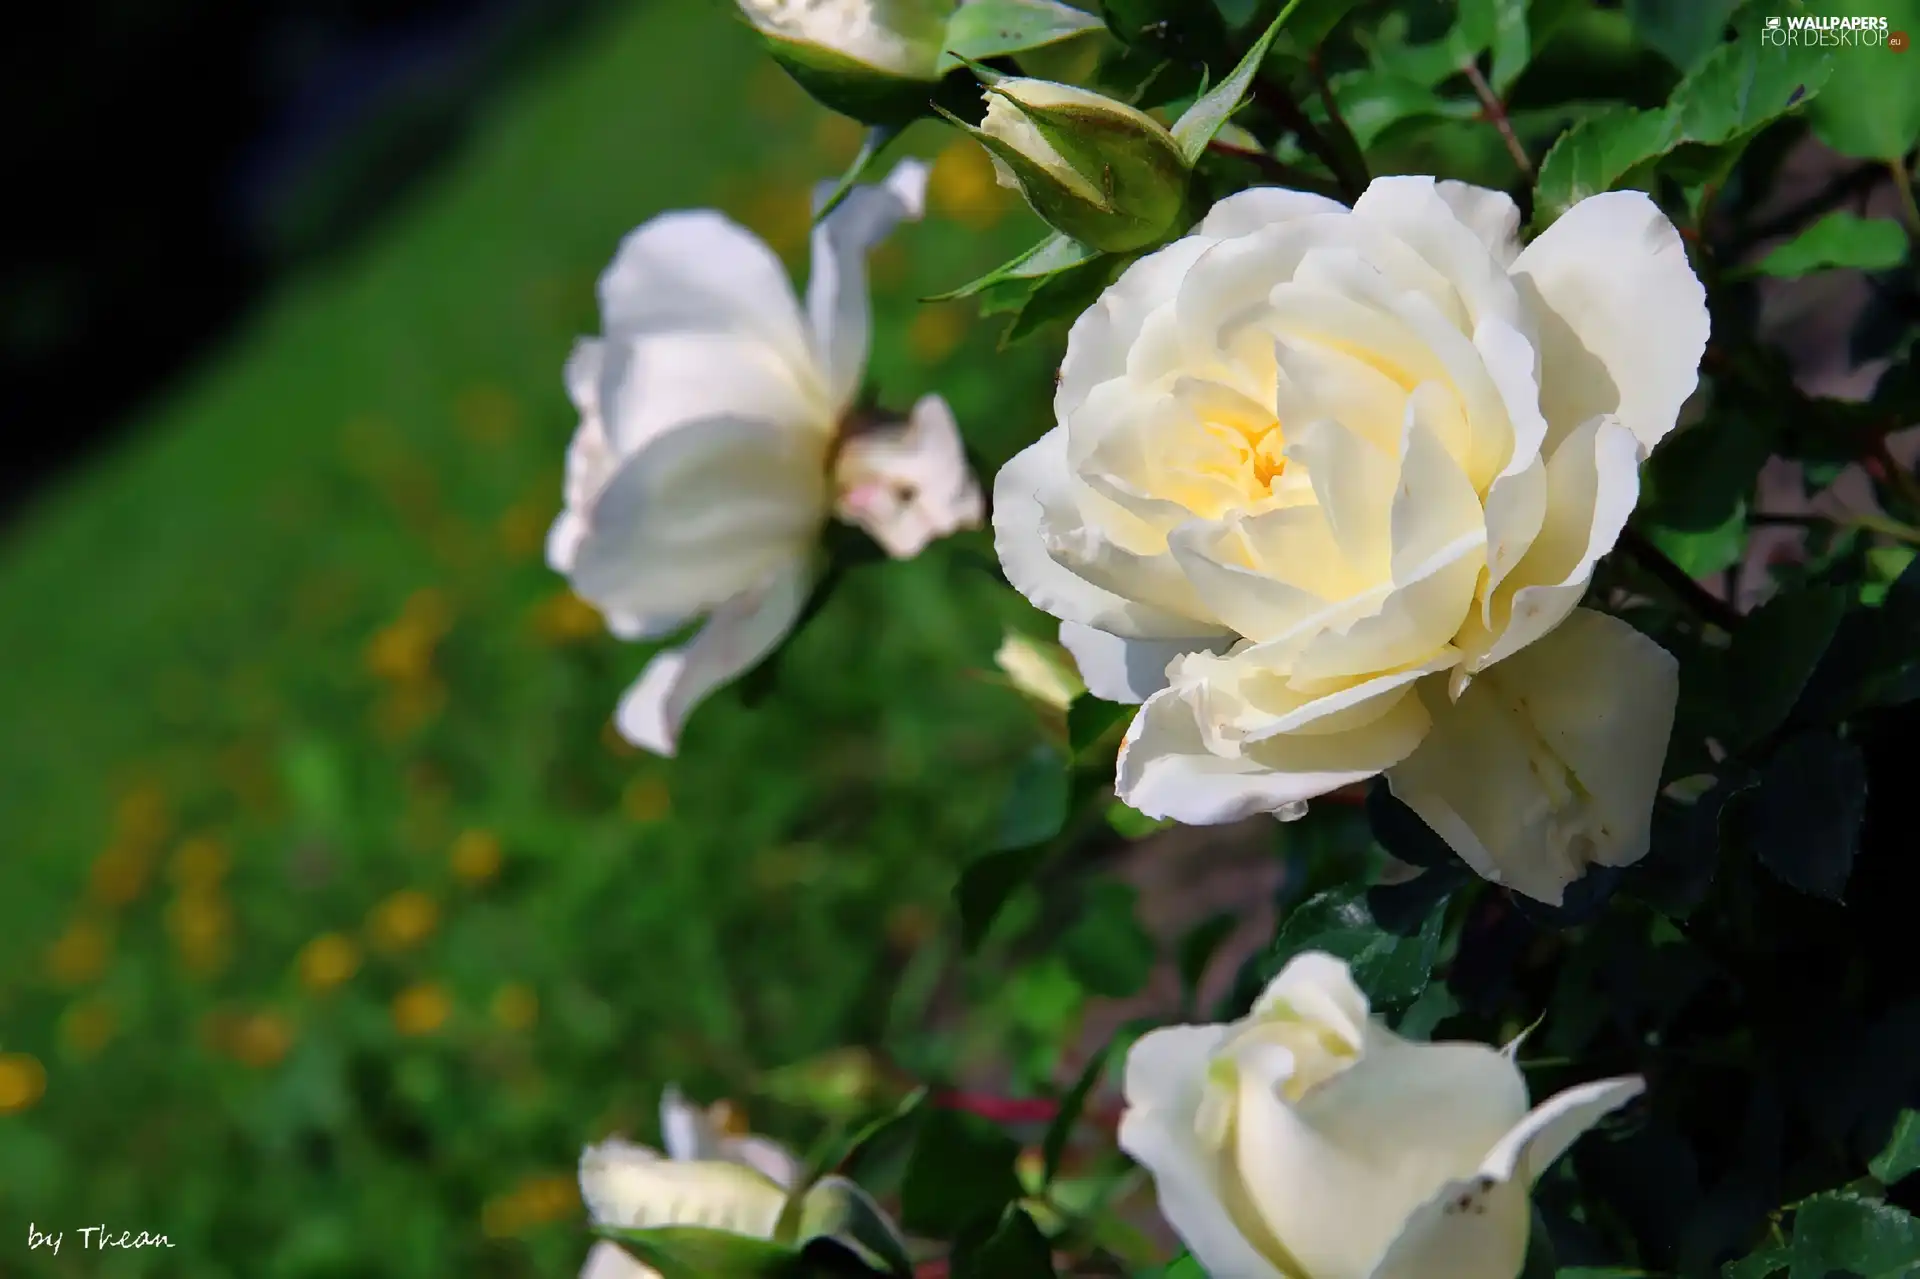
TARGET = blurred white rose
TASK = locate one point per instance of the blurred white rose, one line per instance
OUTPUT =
(1310, 1142)
(710, 1176)
(709, 448)
(1326, 483)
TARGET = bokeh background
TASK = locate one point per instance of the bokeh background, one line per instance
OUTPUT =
(333, 919)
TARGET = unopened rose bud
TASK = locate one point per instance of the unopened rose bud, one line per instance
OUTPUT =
(874, 60)
(1043, 671)
(1095, 169)
(907, 483)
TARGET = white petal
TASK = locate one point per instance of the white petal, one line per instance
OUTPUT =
(1320, 988)
(767, 1157)
(1414, 210)
(610, 1261)
(685, 1129)
(1336, 1174)
(653, 383)
(1592, 483)
(1100, 340)
(1020, 539)
(1490, 215)
(1355, 484)
(629, 1187)
(1116, 669)
(837, 305)
(1524, 1154)
(1165, 1080)
(1469, 1229)
(1241, 568)
(700, 515)
(1248, 211)
(736, 637)
(1166, 769)
(908, 484)
(1548, 763)
(697, 271)
(1621, 315)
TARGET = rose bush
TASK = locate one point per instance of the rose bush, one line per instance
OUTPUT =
(1325, 482)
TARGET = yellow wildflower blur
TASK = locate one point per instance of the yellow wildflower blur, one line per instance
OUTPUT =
(327, 961)
(87, 1027)
(260, 1040)
(837, 138)
(515, 1007)
(522, 530)
(201, 924)
(487, 414)
(23, 1081)
(119, 874)
(962, 186)
(565, 618)
(646, 798)
(80, 954)
(937, 329)
(142, 817)
(403, 650)
(199, 863)
(403, 920)
(421, 1009)
(475, 856)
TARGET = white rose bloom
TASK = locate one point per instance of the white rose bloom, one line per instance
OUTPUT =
(1327, 482)
(708, 453)
(709, 1177)
(1310, 1142)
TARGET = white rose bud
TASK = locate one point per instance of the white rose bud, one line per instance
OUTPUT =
(1042, 671)
(875, 60)
(907, 483)
(1326, 488)
(1095, 169)
(700, 476)
(1311, 1142)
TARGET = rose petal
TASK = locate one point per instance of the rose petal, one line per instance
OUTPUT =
(1548, 763)
(837, 307)
(735, 638)
(1622, 317)
(1117, 669)
(909, 484)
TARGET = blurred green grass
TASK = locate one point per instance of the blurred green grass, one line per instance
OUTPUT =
(292, 654)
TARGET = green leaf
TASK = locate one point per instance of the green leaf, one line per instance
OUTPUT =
(1036, 805)
(984, 29)
(987, 883)
(844, 1146)
(1764, 1264)
(1509, 40)
(1393, 969)
(1060, 1131)
(1901, 1154)
(1433, 61)
(1872, 110)
(1106, 949)
(691, 1252)
(1054, 254)
(1402, 833)
(1312, 22)
(1197, 950)
(1704, 552)
(960, 1172)
(1841, 1231)
(1063, 296)
(1197, 126)
(1372, 102)
(1803, 820)
(1700, 479)
(1777, 649)
(1838, 240)
(1681, 31)
(1738, 89)
(1011, 1248)
(1090, 721)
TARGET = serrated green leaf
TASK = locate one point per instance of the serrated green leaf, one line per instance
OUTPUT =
(1054, 254)
(1779, 646)
(1704, 552)
(1681, 31)
(983, 29)
(1901, 1155)
(1596, 154)
(1872, 111)
(1371, 102)
(1847, 1232)
(1840, 239)
(1197, 126)
(876, 140)
(1393, 969)
(1063, 295)
(987, 883)
(1764, 1264)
